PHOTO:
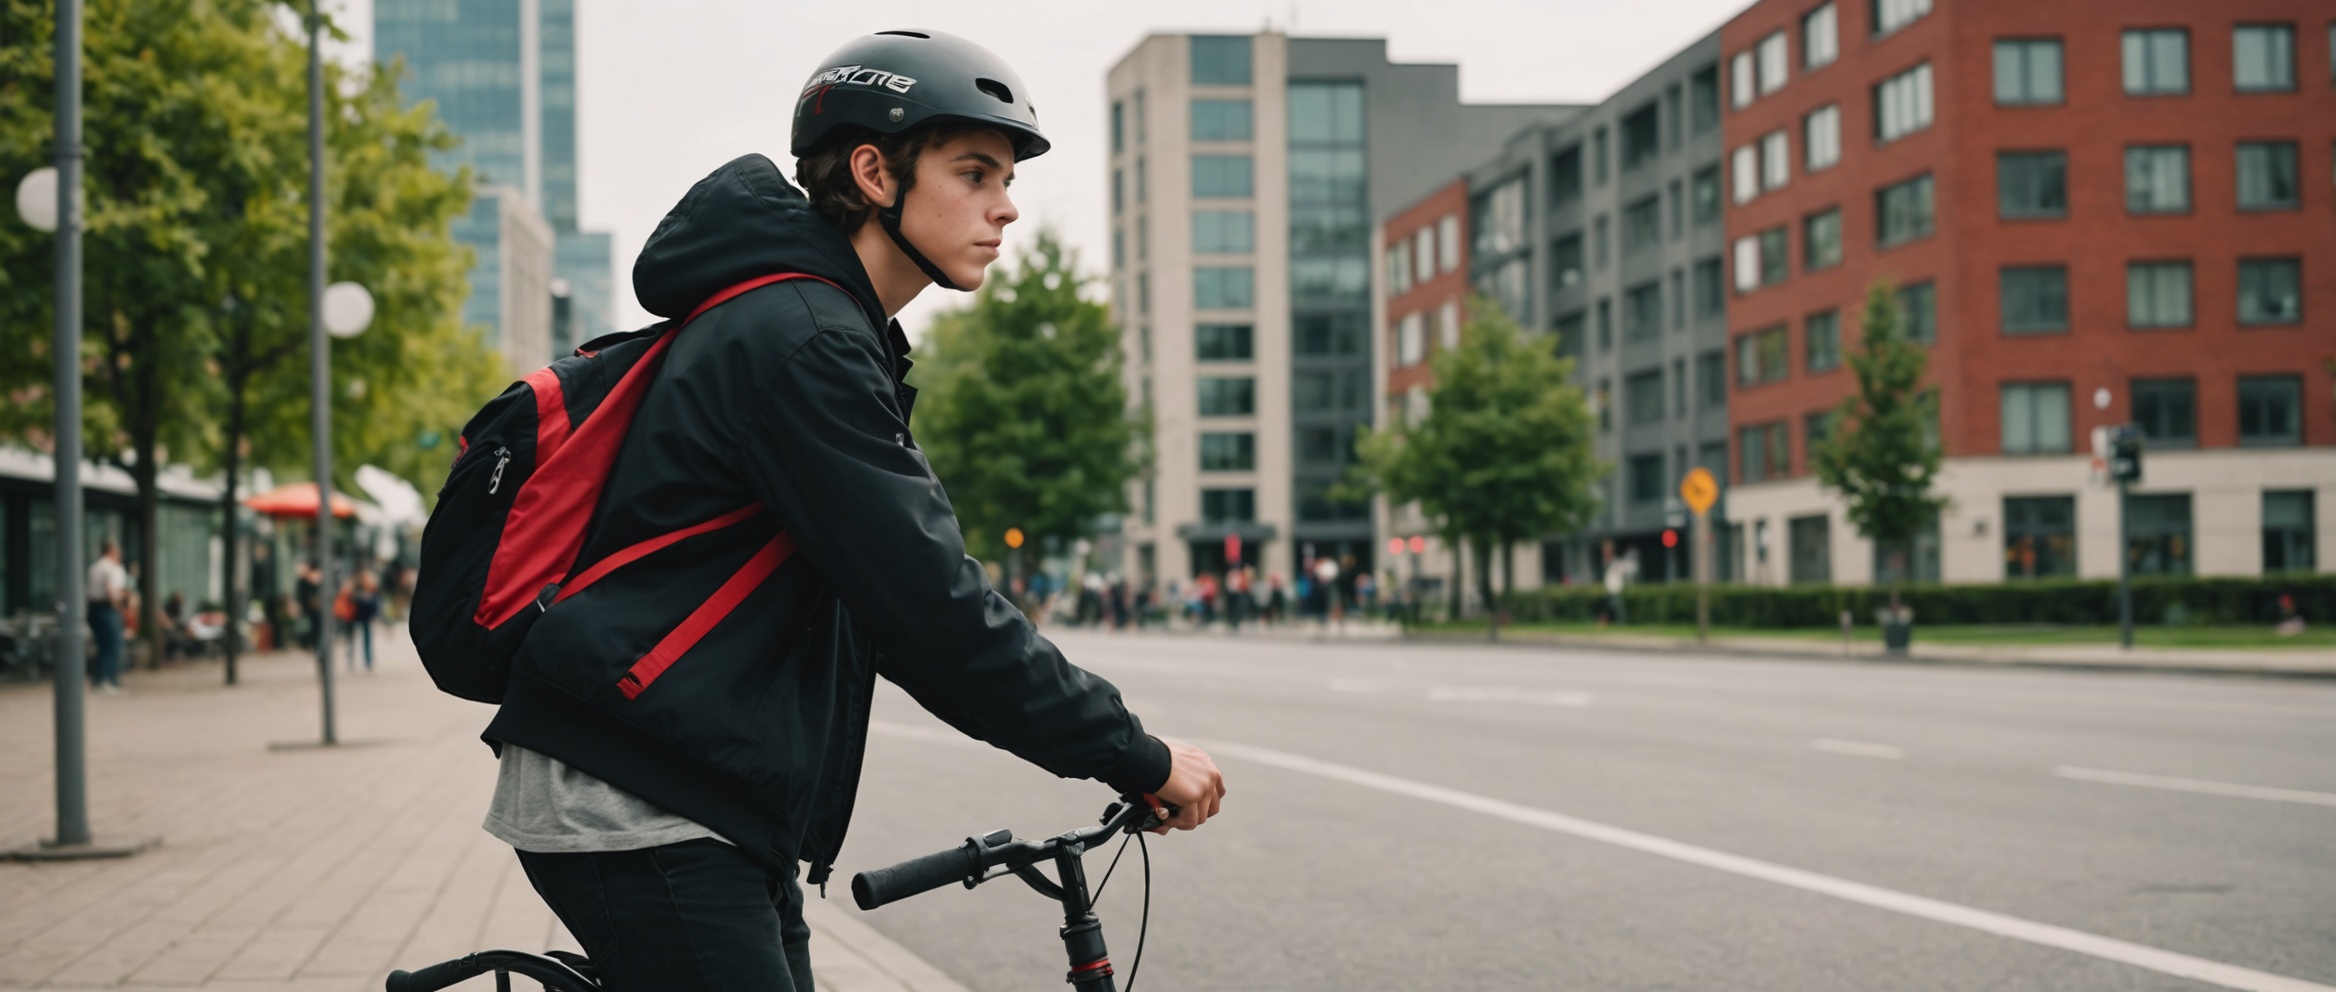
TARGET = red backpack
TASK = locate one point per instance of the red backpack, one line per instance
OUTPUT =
(501, 546)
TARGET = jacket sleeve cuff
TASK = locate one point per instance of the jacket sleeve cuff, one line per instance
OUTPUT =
(1142, 767)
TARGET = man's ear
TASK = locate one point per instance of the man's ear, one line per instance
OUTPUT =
(869, 174)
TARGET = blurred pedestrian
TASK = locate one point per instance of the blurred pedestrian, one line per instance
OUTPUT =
(307, 597)
(109, 600)
(364, 601)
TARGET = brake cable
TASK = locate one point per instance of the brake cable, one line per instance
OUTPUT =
(1144, 925)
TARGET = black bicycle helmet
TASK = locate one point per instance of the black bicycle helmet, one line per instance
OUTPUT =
(892, 81)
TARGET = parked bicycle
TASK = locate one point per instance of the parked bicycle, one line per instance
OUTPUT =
(979, 859)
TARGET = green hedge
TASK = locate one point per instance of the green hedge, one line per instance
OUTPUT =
(2156, 600)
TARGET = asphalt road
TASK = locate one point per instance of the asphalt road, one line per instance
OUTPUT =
(1407, 816)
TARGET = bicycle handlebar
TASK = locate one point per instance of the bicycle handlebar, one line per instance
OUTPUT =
(969, 861)
(437, 976)
(917, 875)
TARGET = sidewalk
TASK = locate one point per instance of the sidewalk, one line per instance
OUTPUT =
(2252, 661)
(303, 870)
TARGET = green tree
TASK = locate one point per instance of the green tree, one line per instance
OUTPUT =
(195, 253)
(1504, 453)
(1022, 413)
(1880, 454)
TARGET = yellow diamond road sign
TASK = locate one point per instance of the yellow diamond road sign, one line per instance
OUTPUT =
(1700, 490)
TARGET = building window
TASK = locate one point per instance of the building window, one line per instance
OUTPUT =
(2157, 62)
(1224, 231)
(2167, 411)
(1222, 342)
(1329, 392)
(1747, 264)
(1890, 15)
(1500, 219)
(1411, 340)
(1118, 190)
(1642, 397)
(2263, 57)
(1565, 175)
(1398, 264)
(1678, 299)
(1822, 133)
(2270, 291)
(1118, 126)
(1571, 330)
(1605, 310)
(2157, 534)
(1703, 98)
(1227, 396)
(1821, 240)
(2035, 418)
(1598, 157)
(1646, 478)
(1144, 292)
(1744, 173)
(1228, 506)
(1642, 310)
(1710, 288)
(1447, 243)
(1675, 204)
(1604, 398)
(2288, 531)
(1767, 452)
(1904, 211)
(1332, 334)
(1679, 399)
(2035, 299)
(1139, 179)
(2267, 176)
(1774, 67)
(1762, 356)
(1775, 257)
(1325, 446)
(1423, 254)
(1816, 429)
(1820, 37)
(1706, 195)
(2039, 537)
(1220, 60)
(2157, 179)
(1918, 312)
(1220, 120)
(1599, 252)
(2270, 410)
(1776, 160)
(1823, 334)
(1812, 549)
(1565, 262)
(1226, 176)
(2027, 72)
(2031, 184)
(1711, 372)
(1228, 452)
(1642, 225)
(2157, 294)
(1740, 80)
(1902, 104)
(1642, 136)
(1229, 288)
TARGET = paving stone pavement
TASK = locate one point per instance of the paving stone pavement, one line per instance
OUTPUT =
(291, 870)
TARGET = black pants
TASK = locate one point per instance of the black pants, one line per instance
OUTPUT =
(679, 918)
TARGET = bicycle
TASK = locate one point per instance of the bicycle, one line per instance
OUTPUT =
(980, 859)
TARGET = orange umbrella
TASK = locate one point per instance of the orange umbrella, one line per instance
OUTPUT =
(298, 499)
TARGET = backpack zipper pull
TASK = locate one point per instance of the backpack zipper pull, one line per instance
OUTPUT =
(502, 458)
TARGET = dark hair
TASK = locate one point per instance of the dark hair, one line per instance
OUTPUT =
(826, 174)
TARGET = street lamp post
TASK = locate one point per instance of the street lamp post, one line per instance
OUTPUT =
(50, 200)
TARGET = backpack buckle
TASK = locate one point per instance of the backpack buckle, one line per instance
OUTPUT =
(543, 600)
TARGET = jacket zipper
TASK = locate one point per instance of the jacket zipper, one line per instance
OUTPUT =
(502, 458)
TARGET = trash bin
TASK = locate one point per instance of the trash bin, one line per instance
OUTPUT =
(1897, 628)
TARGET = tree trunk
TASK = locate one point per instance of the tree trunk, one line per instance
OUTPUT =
(148, 477)
(231, 638)
(1508, 570)
(1492, 612)
(1459, 576)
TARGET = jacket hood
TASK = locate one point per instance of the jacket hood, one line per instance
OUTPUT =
(741, 222)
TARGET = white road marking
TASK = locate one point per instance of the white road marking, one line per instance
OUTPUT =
(1506, 694)
(1859, 748)
(1923, 907)
(2197, 785)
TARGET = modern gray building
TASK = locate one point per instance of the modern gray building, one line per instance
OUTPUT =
(503, 75)
(1605, 230)
(1247, 175)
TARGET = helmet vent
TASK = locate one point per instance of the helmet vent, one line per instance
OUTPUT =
(907, 34)
(996, 89)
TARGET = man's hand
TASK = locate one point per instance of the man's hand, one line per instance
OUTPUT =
(1194, 786)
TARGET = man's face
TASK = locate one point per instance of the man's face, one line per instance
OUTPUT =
(958, 211)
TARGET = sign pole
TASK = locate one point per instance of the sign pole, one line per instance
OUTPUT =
(1702, 577)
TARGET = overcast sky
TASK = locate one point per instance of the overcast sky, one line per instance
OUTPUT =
(670, 89)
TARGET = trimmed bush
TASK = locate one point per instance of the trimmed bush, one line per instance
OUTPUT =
(2060, 602)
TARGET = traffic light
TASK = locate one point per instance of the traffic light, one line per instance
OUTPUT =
(1670, 538)
(2125, 455)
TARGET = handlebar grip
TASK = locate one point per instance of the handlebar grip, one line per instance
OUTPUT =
(871, 889)
(437, 976)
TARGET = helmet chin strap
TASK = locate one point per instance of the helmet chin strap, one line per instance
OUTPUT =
(889, 217)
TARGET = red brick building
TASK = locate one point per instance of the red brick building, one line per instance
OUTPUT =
(2097, 214)
(1422, 253)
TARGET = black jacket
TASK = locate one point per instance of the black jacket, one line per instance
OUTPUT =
(789, 396)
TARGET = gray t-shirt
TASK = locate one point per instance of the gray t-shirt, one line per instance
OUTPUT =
(543, 806)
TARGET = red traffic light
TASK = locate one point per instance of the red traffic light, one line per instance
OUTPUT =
(1394, 545)
(1670, 538)
(1418, 544)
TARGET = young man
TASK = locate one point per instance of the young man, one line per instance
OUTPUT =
(661, 815)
